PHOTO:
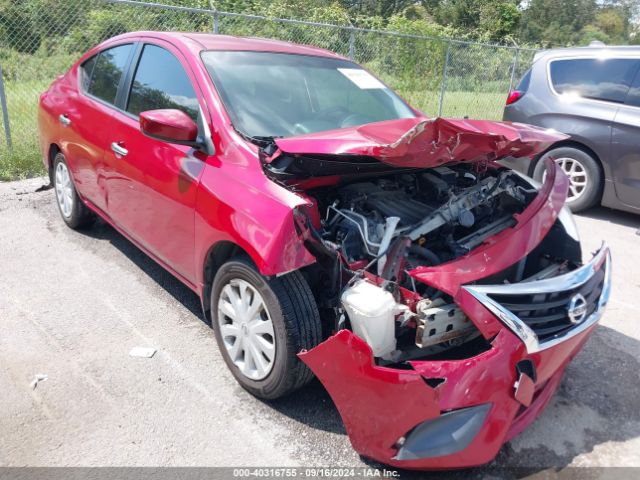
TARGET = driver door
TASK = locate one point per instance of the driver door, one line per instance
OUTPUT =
(152, 186)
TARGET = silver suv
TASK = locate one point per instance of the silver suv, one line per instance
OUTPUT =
(593, 95)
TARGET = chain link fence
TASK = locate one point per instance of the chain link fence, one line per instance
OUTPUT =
(437, 75)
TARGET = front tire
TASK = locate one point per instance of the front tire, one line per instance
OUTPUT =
(261, 324)
(585, 177)
(73, 211)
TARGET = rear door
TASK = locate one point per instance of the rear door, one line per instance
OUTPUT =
(87, 118)
(625, 148)
(152, 184)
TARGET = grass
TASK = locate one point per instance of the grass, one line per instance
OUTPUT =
(458, 104)
(24, 159)
(480, 105)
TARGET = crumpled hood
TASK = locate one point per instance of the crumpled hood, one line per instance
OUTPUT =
(420, 142)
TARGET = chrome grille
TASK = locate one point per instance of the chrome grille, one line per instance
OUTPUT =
(546, 313)
(539, 311)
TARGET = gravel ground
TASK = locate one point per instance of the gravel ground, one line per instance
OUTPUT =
(73, 304)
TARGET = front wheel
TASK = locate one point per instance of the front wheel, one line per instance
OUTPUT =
(261, 324)
(585, 177)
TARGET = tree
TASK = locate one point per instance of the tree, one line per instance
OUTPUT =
(556, 22)
(499, 20)
(614, 23)
(493, 20)
(379, 8)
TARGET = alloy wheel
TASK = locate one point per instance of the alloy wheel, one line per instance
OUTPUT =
(578, 177)
(246, 329)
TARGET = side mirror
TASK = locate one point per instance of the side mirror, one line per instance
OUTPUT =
(170, 125)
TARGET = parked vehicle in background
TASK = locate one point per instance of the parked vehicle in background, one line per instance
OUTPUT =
(591, 94)
(331, 229)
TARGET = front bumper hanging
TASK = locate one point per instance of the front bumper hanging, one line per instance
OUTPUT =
(476, 404)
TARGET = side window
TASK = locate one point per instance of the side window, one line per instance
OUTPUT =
(600, 79)
(108, 71)
(523, 84)
(86, 69)
(633, 97)
(161, 82)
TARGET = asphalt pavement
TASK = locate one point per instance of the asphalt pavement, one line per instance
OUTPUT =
(73, 305)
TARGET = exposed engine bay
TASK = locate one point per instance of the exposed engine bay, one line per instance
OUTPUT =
(381, 227)
(444, 212)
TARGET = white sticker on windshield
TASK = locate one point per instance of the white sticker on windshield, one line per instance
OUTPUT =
(363, 79)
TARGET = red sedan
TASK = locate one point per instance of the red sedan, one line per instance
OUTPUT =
(329, 228)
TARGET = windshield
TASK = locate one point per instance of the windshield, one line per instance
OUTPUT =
(282, 95)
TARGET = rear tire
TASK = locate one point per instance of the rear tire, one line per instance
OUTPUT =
(72, 209)
(287, 322)
(585, 176)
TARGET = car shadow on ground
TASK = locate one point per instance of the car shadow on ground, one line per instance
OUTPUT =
(100, 230)
(618, 217)
(597, 401)
(319, 411)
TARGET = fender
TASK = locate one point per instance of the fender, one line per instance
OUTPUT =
(237, 203)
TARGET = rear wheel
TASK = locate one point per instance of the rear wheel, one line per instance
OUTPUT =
(261, 324)
(73, 211)
(583, 171)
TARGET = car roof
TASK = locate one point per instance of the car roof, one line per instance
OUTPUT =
(592, 50)
(197, 42)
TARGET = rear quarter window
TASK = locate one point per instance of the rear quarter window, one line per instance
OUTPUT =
(86, 69)
(600, 79)
(523, 84)
(107, 72)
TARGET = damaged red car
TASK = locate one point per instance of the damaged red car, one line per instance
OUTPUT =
(331, 229)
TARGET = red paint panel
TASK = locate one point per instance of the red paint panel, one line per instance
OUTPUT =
(420, 142)
(378, 405)
(237, 203)
(540, 401)
(524, 389)
(168, 124)
(84, 141)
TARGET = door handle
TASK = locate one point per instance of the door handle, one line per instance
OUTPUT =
(118, 149)
(64, 120)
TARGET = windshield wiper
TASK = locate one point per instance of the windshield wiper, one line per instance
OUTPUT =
(264, 140)
(266, 143)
